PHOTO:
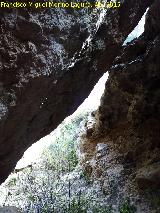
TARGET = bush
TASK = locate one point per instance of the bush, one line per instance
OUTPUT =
(126, 207)
(61, 154)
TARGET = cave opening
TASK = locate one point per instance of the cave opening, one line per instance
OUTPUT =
(49, 178)
(138, 30)
(54, 157)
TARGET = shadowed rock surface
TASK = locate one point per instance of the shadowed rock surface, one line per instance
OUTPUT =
(45, 74)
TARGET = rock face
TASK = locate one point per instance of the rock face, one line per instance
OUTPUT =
(48, 67)
(127, 124)
(128, 119)
(130, 107)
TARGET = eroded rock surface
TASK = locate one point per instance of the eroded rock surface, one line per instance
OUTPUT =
(130, 106)
(127, 124)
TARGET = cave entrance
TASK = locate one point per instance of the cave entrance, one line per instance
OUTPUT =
(54, 157)
(89, 105)
(45, 179)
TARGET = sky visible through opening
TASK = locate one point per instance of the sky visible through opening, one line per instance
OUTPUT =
(91, 103)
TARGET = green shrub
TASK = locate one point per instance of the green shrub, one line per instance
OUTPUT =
(61, 154)
(78, 205)
(126, 207)
(101, 209)
(86, 177)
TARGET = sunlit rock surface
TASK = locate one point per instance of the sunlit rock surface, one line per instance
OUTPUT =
(48, 66)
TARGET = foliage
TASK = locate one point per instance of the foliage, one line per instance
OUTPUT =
(86, 177)
(61, 154)
(102, 209)
(126, 207)
(79, 205)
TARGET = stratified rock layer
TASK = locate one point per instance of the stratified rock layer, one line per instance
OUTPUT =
(46, 74)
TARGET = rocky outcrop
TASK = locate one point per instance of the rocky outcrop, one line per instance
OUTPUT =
(48, 67)
(127, 123)
(130, 106)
